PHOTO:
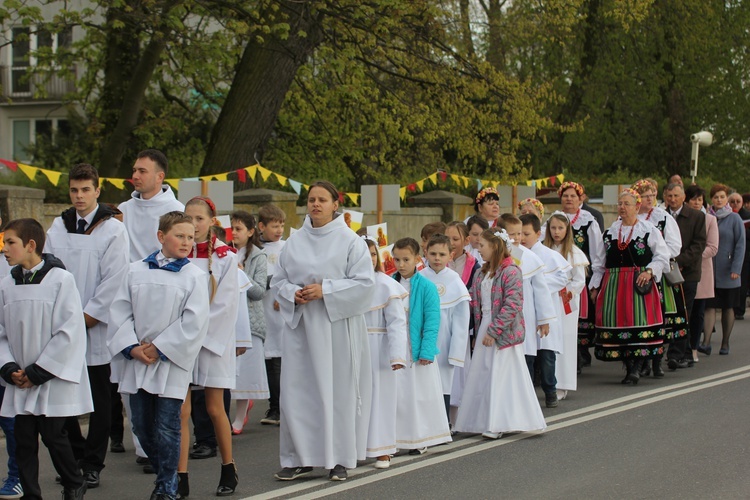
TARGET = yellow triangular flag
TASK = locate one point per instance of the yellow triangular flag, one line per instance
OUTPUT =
(175, 183)
(252, 172)
(433, 178)
(402, 193)
(466, 181)
(455, 178)
(529, 183)
(264, 173)
(420, 185)
(306, 186)
(281, 179)
(560, 178)
(206, 178)
(52, 175)
(354, 197)
(221, 177)
(486, 182)
(118, 183)
(28, 170)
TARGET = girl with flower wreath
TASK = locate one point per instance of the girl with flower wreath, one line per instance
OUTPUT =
(629, 319)
(588, 237)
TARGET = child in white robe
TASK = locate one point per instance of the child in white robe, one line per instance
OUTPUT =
(386, 332)
(421, 420)
(453, 337)
(215, 367)
(559, 237)
(271, 228)
(499, 396)
(42, 356)
(158, 322)
(556, 270)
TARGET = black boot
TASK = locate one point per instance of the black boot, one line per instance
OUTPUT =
(228, 481)
(183, 485)
(645, 370)
(75, 493)
(658, 371)
(634, 371)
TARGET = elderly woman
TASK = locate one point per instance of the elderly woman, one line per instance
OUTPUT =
(324, 285)
(672, 298)
(629, 320)
(588, 237)
(696, 196)
(532, 206)
(487, 205)
(727, 268)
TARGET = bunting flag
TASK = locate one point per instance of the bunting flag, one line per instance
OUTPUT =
(456, 178)
(264, 173)
(52, 175)
(13, 166)
(282, 180)
(118, 183)
(297, 186)
(402, 193)
(252, 172)
(241, 175)
(28, 170)
(433, 179)
(420, 185)
(175, 183)
(354, 197)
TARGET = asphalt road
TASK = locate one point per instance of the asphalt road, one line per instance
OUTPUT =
(684, 436)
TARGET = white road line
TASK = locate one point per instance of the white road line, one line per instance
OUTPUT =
(470, 446)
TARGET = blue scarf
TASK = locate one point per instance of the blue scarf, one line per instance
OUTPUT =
(174, 266)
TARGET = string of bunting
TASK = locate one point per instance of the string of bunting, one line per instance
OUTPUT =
(251, 172)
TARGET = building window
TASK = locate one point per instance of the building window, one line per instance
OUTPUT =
(28, 132)
(24, 45)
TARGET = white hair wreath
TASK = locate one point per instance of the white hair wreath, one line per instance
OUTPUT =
(503, 235)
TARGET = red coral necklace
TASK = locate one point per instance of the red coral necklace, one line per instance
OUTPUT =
(622, 245)
(575, 218)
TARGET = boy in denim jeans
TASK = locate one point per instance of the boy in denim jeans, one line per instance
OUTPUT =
(158, 322)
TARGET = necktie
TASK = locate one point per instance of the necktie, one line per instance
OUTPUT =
(81, 226)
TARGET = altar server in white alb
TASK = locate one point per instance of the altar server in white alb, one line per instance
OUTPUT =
(215, 368)
(454, 312)
(556, 270)
(271, 227)
(150, 200)
(386, 331)
(324, 285)
(559, 237)
(42, 356)
(93, 245)
(158, 322)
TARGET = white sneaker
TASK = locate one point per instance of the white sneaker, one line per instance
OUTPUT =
(492, 435)
(561, 395)
(382, 464)
(418, 451)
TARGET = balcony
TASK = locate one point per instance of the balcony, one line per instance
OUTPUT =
(16, 86)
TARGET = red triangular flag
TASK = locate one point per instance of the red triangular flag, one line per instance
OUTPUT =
(553, 180)
(412, 187)
(241, 175)
(10, 164)
(443, 175)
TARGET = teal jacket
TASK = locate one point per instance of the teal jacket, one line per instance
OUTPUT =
(424, 317)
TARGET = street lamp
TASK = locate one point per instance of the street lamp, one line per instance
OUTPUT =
(698, 139)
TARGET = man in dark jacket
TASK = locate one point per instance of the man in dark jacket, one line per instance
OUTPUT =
(744, 213)
(692, 224)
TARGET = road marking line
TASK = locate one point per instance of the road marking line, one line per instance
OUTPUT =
(473, 445)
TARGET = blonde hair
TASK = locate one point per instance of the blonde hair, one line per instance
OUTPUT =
(500, 252)
(211, 208)
(566, 245)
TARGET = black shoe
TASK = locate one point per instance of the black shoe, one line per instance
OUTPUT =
(550, 400)
(74, 493)
(149, 469)
(116, 447)
(634, 372)
(646, 370)
(92, 478)
(291, 473)
(228, 480)
(142, 460)
(202, 451)
(273, 417)
(674, 364)
(183, 485)
(338, 473)
(658, 370)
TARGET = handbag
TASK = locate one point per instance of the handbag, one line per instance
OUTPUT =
(674, 276)
(642, 289)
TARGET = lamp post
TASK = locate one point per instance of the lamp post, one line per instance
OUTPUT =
(698, 139)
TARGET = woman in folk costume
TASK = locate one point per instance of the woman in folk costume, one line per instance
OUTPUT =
(629, 319)
(252, 381)
(531, 206)
(672, 298)
(386, 332)
(420, 410)
(559, 237)
(499, 395)
(487, 205)
(453, 337)
(324, 284)
(214, 369)
(588, 237)
(467, 266)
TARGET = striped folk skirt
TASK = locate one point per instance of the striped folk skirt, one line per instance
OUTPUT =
(628, 325)
(586, 318)
(675, 311)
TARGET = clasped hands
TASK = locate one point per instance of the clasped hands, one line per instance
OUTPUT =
(146, 353)
(21, 380)
(308, 293)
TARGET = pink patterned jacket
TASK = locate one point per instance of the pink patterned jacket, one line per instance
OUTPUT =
(507, 326)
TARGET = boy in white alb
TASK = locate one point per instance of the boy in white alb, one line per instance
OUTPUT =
(453, 335)
(158, 322)
(42, 356)
(93, 245)
(556, 276)
(271, 226)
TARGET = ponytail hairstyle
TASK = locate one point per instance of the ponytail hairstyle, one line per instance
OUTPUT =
(371, 244)
(500, 250)
(566, 245)
(211, 209)
(249, 222)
